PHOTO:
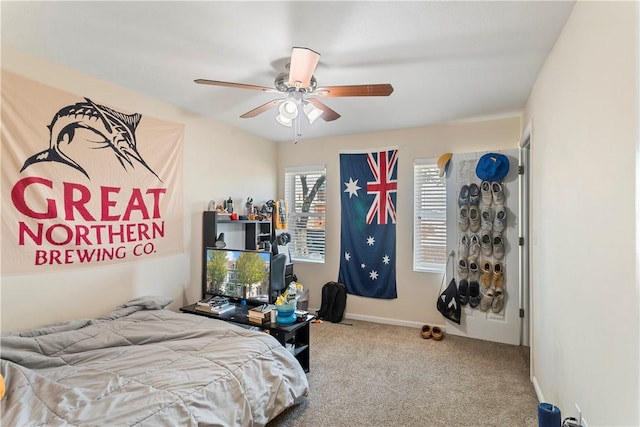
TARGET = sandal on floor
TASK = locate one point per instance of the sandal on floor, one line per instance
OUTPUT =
(498, 302)
(437, 333)
(426, 332)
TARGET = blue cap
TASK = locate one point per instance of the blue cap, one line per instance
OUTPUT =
(492, 167)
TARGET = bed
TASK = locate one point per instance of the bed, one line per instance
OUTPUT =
(144, 365)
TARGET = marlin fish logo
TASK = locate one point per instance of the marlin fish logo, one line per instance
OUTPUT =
(116, 131)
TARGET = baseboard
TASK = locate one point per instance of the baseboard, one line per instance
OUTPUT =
(387, 321)
(536, 387)
(381, 320)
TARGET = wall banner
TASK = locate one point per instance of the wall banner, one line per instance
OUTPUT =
(85, 184)
(369, 184)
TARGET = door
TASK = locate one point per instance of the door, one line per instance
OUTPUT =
(504, 326)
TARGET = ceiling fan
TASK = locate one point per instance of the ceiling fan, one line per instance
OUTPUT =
(300, 88)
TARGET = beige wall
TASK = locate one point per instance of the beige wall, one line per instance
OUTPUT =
(417, 291)
(213, 169)
(585, 298)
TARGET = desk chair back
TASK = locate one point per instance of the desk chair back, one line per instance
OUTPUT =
(278, 263)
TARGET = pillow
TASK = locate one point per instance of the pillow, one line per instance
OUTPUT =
(149, 302)
(69, 325)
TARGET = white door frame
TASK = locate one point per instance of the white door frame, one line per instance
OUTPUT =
(526, 281)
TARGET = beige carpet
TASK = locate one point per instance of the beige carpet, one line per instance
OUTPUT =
(368, 374)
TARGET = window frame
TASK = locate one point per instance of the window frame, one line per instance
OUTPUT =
(426, 169)
(293, 197)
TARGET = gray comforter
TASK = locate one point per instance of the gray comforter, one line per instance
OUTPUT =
(144, 365)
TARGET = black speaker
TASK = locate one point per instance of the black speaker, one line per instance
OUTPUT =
(209, 235)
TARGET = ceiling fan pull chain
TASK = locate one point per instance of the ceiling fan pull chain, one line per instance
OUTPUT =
(296, 126)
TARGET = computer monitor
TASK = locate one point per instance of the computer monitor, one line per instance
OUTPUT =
(238, 274)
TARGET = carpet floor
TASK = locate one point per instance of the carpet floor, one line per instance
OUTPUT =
(369, 374)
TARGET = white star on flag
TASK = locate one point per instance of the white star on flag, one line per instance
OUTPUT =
(373, 275)
(386, 259)
(352, 187)
(347, 256)
(370, 241)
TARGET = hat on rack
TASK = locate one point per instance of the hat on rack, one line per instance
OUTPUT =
(443, 163)
(492, 167)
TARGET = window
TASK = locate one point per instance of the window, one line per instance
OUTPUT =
(430, 219)
(305, 194)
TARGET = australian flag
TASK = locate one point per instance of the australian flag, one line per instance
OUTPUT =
(369, 183)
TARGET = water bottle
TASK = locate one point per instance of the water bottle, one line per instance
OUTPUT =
(291, 295)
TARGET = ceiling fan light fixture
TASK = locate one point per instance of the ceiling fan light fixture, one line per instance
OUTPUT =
(284, 121)
(288, 109)
(312, 112)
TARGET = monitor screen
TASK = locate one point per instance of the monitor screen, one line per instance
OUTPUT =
(238, 274)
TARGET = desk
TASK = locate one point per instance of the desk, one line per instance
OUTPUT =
(296, 334)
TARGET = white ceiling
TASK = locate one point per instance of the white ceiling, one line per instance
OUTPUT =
(446, 60)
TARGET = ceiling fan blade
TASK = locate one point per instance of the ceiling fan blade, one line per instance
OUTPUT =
(328, 114)
(234, 85)
(303, 63)
(261, 109)
(384, 89)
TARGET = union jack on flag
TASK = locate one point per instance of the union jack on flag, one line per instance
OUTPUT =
(382, 166)
(369, 187)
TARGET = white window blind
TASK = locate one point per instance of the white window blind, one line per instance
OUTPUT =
(430, 219)
(305, 194)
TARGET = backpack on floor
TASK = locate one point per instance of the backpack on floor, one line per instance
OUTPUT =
(334, 301)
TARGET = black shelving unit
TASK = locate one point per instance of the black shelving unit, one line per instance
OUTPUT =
(255, 232)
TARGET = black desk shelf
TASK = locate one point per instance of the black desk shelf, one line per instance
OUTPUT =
(296, 333)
